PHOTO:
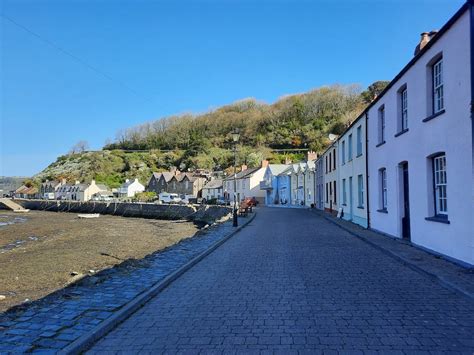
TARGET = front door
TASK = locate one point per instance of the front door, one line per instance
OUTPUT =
(406, 203)
(351, 211)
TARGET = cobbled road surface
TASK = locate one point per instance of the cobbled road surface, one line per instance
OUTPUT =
(292, 282)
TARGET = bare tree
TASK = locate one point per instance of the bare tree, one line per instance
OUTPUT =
(79, 147)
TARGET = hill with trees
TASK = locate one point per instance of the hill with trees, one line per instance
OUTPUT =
(271, 131)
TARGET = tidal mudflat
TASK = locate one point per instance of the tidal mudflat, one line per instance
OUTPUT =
(41, 252)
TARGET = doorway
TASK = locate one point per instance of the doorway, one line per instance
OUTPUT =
(406, 202)
(351, 208)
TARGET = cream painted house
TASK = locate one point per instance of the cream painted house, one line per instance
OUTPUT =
(247, 184)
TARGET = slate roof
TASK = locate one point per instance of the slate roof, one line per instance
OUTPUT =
(277, 169)
(166, 174)
(243, 174)
(214, 184)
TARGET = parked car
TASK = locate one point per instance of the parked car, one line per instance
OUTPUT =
(187, 198)
(166, 197)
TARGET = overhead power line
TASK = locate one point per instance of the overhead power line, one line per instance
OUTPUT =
(74, 57)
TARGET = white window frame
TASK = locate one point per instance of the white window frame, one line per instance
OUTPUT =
(383, 188)
(404, 109)
(359, 141)
(438, 86)
(349, 149)
(343, 152)
(344, 199)
(382, 124)
(360, 191)
(440, 185)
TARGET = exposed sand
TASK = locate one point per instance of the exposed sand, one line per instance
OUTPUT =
(38, 255)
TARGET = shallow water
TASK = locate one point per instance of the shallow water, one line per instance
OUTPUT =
(6, 220)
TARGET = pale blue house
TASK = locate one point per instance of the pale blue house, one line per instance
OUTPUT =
(272, 185)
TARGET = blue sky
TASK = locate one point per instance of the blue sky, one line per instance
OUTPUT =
(168, 57)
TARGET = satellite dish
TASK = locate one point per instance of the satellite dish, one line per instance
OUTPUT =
(332, 137)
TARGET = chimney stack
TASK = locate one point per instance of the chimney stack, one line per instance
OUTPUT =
(264, 163)
(243, 167)
(425, 38)
(310, 156)
(287, 161)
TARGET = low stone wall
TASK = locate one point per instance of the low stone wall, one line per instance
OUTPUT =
(196, 213)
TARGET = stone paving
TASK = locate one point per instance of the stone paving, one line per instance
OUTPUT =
(449, 273)
(54, 322)
(293, 282)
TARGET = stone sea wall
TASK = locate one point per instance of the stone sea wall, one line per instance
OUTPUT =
(196, 213)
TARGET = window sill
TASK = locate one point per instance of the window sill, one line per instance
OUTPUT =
(360, 207)
(438, 219)
(380, 144)
(359, 155)
(401, 132)
(429, 118)
(383, 210)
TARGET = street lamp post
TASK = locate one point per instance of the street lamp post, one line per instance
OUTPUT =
(235, 139)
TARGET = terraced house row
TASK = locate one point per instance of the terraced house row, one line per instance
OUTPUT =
(404, 167)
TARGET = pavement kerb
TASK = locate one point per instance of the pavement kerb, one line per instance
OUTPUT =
(84, 342)
(404, 261)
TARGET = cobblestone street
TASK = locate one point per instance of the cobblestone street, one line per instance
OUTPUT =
(293, 282)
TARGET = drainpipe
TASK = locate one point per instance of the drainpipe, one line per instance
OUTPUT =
(367, 167)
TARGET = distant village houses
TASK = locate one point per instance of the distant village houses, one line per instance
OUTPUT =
(213, 190)
(174, 181)
(130, 188)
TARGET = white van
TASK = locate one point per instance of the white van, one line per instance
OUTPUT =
(166, 197)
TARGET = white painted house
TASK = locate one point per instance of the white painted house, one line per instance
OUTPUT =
(213, 190)
(130, 188)
(330, 162)
(420, 141)
(247, 183)
(351, 174)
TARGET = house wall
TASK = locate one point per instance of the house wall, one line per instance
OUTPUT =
(247, 187)
(331, 198)
(320, 184)
(252, 186)
(134, 188)
(212, 193)
(450, 132)
(284, 188)
(157, 185)
(295, 194)
(309, 188)
(270, 194)
(354, 168)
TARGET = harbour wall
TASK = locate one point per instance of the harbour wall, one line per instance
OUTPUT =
(196, 213)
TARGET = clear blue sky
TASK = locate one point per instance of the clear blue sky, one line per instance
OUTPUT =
(168, 57)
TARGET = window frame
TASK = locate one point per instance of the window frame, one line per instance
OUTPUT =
(343, 152)
(344, 192)
(360, 191)
(404, 108)
(437, 89)
(359, 141)
(383, 188)
(438, 210)
(381, 117)
(349, 149)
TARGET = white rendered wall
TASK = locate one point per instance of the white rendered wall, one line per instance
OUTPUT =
(353, 168)
(449, 133)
